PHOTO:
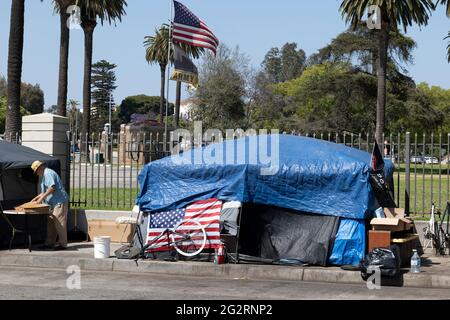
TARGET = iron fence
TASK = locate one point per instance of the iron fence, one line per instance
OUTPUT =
(104, 167)
(422, 165)
(105, 177)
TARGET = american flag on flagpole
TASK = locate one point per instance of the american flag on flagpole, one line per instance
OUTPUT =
(206, 212)
(189, 29)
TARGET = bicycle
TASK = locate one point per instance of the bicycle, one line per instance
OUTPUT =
(436, 235)
(442, 236)
(188, 238)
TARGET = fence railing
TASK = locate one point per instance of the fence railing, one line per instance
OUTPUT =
(105, 177)
(104, 167)
(422, 165)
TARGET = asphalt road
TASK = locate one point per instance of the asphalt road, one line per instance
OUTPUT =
(26, 283)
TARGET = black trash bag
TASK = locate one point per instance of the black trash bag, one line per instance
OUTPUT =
(387, 260)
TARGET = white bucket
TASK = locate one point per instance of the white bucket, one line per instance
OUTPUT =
(102, 247)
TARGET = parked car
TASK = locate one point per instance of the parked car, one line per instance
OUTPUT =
(431, 160)
(418, 159)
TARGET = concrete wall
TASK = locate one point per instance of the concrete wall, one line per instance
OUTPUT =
(47, 133)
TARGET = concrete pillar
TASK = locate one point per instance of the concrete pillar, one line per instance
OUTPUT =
(47, 133)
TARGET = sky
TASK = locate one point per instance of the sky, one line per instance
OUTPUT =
(253, 25)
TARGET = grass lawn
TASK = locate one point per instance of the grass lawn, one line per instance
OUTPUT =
(424, 190)
(101, 199)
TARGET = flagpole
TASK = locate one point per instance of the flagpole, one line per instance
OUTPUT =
(168, 74)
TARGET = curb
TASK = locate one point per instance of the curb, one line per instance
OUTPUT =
(229, 271)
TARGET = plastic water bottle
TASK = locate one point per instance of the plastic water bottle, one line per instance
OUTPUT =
(415, 262)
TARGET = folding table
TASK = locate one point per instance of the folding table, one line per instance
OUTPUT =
(27, 231)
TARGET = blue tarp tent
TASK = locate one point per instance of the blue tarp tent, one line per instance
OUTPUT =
(292, 172)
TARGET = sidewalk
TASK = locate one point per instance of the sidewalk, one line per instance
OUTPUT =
(435, 270)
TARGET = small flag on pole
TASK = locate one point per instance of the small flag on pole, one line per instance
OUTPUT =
(377, 159)
(189, 29)
(185, 70)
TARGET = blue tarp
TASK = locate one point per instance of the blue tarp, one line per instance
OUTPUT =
(308, 175)
(350, 243)
(313, 176)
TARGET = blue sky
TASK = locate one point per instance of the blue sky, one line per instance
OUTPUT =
(254, 25)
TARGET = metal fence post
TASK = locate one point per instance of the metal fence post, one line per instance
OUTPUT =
(407, 171)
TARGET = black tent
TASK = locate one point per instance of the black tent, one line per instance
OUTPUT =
(18, 183)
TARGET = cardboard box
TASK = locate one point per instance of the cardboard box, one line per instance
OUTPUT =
(395, 221)
(119, 233)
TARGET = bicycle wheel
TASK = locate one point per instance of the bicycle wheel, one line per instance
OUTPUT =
(189, 238)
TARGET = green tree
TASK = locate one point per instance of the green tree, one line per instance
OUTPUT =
(103, 85)
(3, 103)
(392, 14)
(75, 117)
(280, 64)
(32, 98)
(91, 10)
(284, 64)
(329, 97)
(439, 99)
(360, 44)
(157, 47)
(53, 109)
(222, 90)
(2, 86)
(140, 104)
(15, 55)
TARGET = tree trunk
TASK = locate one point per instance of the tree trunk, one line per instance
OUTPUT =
(163, 88)
(13, 117)
(381, 72)
(63, 59)
(177, 104)
(88, 28)
(374, 57)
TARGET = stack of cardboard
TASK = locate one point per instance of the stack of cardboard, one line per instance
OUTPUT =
(395, 221)
(33, 208)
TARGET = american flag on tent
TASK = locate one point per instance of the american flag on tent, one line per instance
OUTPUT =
(189, 29)
(206, 212)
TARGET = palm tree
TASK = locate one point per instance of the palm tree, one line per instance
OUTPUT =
(72, 107)
(15, 54)
(157, 47)
(91, 10)
(393, 14)
(61, 6)
(448, 47)
(446, 2)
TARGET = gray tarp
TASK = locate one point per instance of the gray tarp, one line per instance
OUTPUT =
(275, 233)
